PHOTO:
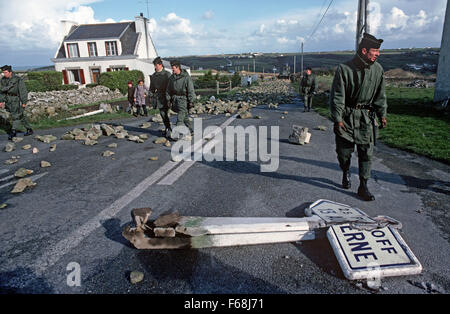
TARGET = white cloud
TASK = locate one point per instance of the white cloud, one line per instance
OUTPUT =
(31, 24)
(208, 15)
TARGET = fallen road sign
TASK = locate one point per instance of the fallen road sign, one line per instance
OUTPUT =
(366, 247)
(371, 254)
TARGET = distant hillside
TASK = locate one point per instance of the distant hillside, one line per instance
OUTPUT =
(421, 60)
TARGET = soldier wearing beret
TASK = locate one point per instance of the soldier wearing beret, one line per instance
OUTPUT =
(357, 97)
(181, 94)
(13, 97)
(158, 87)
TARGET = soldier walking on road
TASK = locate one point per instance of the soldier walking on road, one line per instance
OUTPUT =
(308, 88)
(140, 95)
(181, 94)
(14, 97)
(357, 97)
(158, 87)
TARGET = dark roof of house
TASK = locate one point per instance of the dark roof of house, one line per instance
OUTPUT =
(129, 40)
(98, 31)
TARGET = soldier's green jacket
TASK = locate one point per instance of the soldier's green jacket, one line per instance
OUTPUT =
(308, 84)
(158, 87)
(358, 82)
(180, 91)
(13, 91)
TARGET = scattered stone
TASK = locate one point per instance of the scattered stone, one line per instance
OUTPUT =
(53, 147)
(107, 130)
(322, 128)
(164, 232)
(26, 147)
(45, 164)
(106, 108)
(3, 206)
(143, 137)
(113, 145)
(46, 138)
(22, 172)
(258, 117)
(17, 139)
(283, 117)
(167, 144)
(300, 135)
(154, 158)
(245, 115)
(89, 142)
(35, 150)
(157, 119)
(136, 277)
(9, 147)
(160, 140)
(22, 184)
(121, 135)
(68, 137)
(286, 113)
(146, 125)
(167, 220)
(108, 153)
(11, 161)
(135, 139)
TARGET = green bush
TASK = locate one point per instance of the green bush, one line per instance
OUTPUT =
(35, 86)
(236, 80)
(119, 80)
(91, 85)
(50, 80)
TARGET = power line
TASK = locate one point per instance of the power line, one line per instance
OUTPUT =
(321, 20)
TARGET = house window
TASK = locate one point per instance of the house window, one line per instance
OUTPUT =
(73, 50)
(92, 48)
(111, 48)
(75, 76)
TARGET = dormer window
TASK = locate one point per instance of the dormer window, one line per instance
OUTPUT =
(73, 50)
(111, 48)
(92, 48)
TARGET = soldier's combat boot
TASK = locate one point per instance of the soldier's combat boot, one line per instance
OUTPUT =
(346, 180)
(29, 132)
(364, 193)
(12, 134)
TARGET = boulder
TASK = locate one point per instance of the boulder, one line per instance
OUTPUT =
(300, 135)
(9, 147)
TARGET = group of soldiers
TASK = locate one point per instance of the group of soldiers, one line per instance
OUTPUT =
(167, 92)
(357, 99)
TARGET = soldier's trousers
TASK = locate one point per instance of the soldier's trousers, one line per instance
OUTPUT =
(164, 112)
(183, 116)
(308, 99)
(17, 115)
(345, 149)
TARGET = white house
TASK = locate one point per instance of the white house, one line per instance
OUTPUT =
(90, 49)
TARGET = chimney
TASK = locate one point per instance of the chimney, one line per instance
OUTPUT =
(66, 26)
(141, 27)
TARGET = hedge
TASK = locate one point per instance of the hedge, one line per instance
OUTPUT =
(45, 80)
(119, 80)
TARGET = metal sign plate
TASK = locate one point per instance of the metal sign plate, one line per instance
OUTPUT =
(335, 213)
(371, 254)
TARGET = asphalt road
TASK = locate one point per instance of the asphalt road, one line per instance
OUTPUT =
(80, 205)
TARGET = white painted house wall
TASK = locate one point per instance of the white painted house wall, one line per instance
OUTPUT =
(144, 54)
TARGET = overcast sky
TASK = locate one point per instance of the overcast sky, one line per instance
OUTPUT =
(30, 29)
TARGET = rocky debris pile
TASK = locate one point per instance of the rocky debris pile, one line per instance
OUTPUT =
(90, 134)
(269, 93)
(300, 135)
(50, 104)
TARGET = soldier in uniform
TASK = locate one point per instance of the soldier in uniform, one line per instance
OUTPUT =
(357, 97)
(308, 88)
(158, 86)
(13, 97)
(181, 94)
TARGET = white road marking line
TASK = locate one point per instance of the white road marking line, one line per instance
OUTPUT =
(36, 177)
(6, 178)
(56, 252)
(176, 174)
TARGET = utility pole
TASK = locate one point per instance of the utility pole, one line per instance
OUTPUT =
(362, 23)
(301, 75)
(254, 64)
(295, 64)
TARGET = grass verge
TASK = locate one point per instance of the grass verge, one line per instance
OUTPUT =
(414, 125)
